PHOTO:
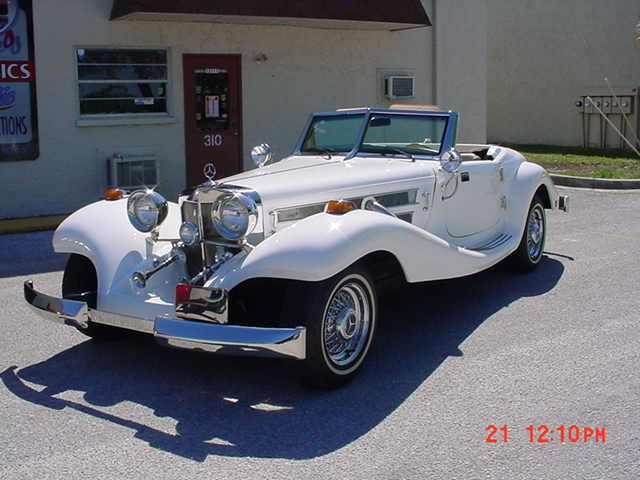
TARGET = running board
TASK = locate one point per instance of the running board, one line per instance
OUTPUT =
(496, 242)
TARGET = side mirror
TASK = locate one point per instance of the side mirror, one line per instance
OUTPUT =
(450, 161)
(261, 155)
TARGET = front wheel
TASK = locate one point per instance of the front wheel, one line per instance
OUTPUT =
(340, 316)
(529, 252)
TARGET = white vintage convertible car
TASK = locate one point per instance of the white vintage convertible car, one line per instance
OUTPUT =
(286, 259)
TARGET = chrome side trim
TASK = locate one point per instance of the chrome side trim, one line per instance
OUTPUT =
(229, 339)
(294, 213)
(501, 239)
(58, 310)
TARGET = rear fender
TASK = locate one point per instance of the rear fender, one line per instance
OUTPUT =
(528, 179)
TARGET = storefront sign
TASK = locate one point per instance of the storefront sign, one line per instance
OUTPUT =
(18, 107)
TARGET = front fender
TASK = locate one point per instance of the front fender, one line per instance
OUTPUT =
(102, 232)
(322, 245)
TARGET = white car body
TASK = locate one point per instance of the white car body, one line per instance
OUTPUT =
(456, 223)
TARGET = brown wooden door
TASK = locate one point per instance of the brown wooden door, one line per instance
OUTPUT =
(213, 115)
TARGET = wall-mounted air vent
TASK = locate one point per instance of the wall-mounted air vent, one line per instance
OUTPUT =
(133, 171)
(398, 87)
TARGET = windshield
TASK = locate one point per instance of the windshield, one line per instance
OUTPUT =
(413, 134)
(335, 133)
(386, 133)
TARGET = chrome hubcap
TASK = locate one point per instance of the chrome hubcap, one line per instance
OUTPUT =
(346, 323)
(535, 232)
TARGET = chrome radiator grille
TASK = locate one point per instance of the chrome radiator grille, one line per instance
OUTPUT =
(194, 253)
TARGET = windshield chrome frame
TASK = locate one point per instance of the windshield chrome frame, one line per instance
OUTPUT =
(448, 140)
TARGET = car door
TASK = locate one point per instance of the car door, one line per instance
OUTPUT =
(473, 200)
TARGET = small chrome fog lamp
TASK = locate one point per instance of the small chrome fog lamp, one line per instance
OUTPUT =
(234, 216)
(147, 210)
(261, 155)
(189, 233)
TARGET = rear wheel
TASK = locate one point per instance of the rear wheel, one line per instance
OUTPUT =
(340, 316)
(80, 282)
(529, 252)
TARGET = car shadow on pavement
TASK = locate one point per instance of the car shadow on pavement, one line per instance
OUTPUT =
(253, 407)
(29, 253)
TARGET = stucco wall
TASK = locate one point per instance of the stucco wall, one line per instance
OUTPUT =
(307, 70)
(460, 63)
(544, 54)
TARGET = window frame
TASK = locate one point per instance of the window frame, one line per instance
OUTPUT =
(123, 118)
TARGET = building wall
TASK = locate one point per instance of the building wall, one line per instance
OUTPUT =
(542, 55)
(307, 70)
(460, 63)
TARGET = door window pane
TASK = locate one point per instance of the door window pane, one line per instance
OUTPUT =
(212, 99)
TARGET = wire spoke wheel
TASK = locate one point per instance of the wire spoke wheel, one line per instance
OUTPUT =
(535, 232)
(340, 316)
(346, 323)
(531, 247)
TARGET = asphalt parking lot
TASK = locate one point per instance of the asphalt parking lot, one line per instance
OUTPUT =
(556, 347)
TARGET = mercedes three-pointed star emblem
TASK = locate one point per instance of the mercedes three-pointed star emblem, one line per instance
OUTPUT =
(209, 171)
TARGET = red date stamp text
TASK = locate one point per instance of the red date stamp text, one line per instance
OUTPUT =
(547, 434)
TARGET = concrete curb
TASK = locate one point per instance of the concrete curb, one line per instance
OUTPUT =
(602, 183)
(35, 224)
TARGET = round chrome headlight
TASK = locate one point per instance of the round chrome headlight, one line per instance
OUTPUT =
(189, 233)
(234, 216)
(147, 210)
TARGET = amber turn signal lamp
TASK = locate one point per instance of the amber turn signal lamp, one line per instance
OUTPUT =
(113, 194)
(339, 207)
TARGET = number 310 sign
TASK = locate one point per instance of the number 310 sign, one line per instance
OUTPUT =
(213, 140)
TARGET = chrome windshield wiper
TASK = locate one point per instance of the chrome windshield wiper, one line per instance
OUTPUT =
(388, 149)
(401, 152)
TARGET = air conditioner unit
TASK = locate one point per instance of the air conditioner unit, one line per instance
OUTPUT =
(396, 87)
(128, 171)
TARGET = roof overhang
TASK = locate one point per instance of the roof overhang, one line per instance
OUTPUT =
(332, 14)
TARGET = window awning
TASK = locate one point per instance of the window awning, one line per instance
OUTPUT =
(341, 14)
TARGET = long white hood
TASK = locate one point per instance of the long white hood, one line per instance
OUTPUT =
(300, 180)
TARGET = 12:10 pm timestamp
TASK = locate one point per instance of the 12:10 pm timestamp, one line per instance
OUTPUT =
(545, 434)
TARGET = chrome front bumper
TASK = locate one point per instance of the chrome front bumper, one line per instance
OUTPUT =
(230, 339)
(59, 310)
(180, 333)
